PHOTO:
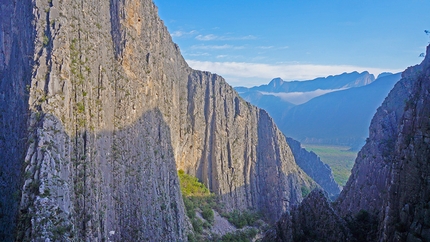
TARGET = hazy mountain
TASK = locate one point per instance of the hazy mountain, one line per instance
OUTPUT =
(340, 116)
(272, 104)
(345, 80)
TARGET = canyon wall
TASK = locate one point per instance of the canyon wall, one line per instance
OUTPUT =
(387, 197)
(99, 110)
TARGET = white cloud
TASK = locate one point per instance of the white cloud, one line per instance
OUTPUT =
(199, 54)
(247, 37)
(206, 37)
(216, 37)
(300, 97)
(265, 47)
(251, 74)
(216, 47)
(182, 33)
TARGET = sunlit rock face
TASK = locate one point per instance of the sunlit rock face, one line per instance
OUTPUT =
(99, 110)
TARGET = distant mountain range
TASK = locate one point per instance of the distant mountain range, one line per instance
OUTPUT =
(333, 110)
(345, 80)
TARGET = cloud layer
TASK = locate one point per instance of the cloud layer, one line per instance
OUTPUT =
(252, 74)
(300, 97)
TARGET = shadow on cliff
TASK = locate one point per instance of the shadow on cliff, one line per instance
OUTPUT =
(16, 61)
(267, 188)
(123, 184)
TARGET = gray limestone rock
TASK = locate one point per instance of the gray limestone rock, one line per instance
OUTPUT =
(387, 197)
(99, 110)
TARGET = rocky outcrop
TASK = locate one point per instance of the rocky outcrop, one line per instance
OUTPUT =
(392, 172)
(236, 149)
(313, 220)
(99, 110)
(387, 197)
(320, 172)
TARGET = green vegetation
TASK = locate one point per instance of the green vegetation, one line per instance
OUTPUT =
(45, 40)
(197, 196)
(239, 236)
(305, 191)
(191, 187)
(339, 158)
(208, 213)
(241, 219)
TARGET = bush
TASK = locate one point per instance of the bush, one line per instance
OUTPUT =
(189, 207)
(241, 219)
(305, 191)
(240, 236)
(196, 196)
(190, 186)
(197, 225)
(208, 214)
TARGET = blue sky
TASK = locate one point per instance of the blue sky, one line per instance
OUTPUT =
(249, 42)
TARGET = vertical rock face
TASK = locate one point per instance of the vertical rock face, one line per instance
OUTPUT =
(315, 168)
(16, 50)
(99, 109)
(391, 177)
(387, 197)
(236, 149)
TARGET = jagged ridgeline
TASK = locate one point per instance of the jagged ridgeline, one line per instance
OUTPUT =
(99, 110)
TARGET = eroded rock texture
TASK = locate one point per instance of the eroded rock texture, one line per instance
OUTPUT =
(99, 110)
(391, 177)
(387, 197)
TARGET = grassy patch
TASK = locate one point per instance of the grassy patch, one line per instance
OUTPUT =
(197, 197)
(339, 158)
(190, 186)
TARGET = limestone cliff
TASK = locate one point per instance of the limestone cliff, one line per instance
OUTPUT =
(99, 110)
(391, 177)
(320, 172)
(387, 197)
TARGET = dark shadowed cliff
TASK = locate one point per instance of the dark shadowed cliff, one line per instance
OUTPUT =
(387, 197)
(320, 172)
(99, 110)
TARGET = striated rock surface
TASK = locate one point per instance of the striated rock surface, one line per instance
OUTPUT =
(15, 75)
(99, 110)
(387, 197)
(236, 149)
(391, 177)
(320, 172)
